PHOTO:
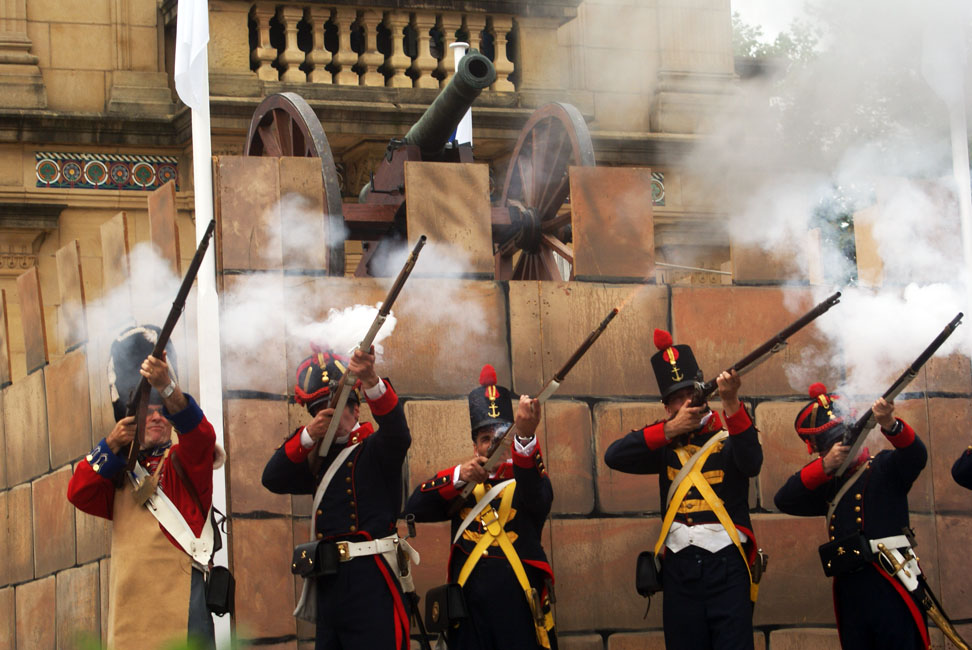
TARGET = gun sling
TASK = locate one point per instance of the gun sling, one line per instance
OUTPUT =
(693, 477)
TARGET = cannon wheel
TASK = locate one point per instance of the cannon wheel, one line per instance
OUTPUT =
(284, 124)
(554, 138)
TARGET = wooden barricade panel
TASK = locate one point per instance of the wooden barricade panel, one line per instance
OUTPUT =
(162, 223)
(114, 254)
(449, 203)
(248, 213)
(71, 325)
(32, 319)
(5, 376)
(303, 236)
(612, 222)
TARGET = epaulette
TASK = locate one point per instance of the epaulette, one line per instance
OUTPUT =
(436, 483)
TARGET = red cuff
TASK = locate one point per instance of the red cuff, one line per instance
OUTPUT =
(294, 450)
(655, 435)
(738, 421)
(813, 475)
(903, 438)
(530, 461)
(447, 490)
(384, 404)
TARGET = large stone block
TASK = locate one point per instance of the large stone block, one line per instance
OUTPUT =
(93, 536)
(54, 532)
(449, 203)
(304, 245)
(248, 212)
(25, 428)
(35, 605)
(5, 535)
(433, 542)
(617, 491)
(5, 372)
(20, 534)
(78, 609)
(597, 556)
(757, 314)
(566, 444)
(72, 327)
(805, 639)
(954, 592)
(261, 554)
(549, 320)
(254, 428)
(435, 319)
(949, 438)
(612, 223)
(580, 642)
(3, 447)
(94, 40)
(440, 437)
(8, 620)
(949, 374)
(783, 452)
(68, 407)
(32, 319)
(656, 641)
(254, 339)
(794, 590)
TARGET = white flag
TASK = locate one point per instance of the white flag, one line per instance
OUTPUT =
(191, 57)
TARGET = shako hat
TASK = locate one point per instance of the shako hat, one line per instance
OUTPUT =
(489, 404)
(818, 423)
(318, 376)
(125, 358)
(674, 365)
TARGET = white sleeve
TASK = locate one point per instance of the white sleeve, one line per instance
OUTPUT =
(375, 391)
(305, 440)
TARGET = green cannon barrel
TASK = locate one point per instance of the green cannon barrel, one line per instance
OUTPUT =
(432, 131)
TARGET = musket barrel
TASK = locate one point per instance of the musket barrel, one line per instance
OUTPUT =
(432, 131)
(588, 342)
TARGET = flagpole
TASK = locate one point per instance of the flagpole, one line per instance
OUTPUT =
(192, 85)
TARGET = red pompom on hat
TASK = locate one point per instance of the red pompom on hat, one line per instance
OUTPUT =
(663, 340)
(487, 376)
(817, 389)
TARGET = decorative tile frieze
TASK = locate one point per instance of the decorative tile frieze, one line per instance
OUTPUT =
(657, 188)
(95, 171)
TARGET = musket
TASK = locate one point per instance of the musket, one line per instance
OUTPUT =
(775, 344)
(348, 379)
(496, 445)
(854, 435)
(138, 405)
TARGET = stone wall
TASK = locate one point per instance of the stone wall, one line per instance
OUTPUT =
(54, 568)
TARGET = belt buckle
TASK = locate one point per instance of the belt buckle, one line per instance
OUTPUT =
(344, 553)
(495, 517)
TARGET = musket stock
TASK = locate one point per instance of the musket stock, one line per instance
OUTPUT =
(495, 451)
(854, 435)
(138, 406)
(767, 349)
(348, 379)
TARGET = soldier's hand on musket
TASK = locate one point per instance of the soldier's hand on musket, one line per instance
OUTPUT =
(883, 413)
(318, 426)
(122, 435)
(472, 470)
(156, 371)
(728, 383)
(527, 417)
(362, 365)
(686, 420)
(835, 457)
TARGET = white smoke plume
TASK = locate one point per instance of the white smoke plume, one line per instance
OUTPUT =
(867, 121)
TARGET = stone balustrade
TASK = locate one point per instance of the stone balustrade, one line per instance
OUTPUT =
(354, 46)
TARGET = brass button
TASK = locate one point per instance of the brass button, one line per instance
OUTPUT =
(353, 504)
(350, 463)
(354, 516)
(319, 512)
(858, 520)
(349, 490)
(857, 508)
(857, 496)
(689, 520)
(320, 535)
(831, 527)
(353, 528)
(831, 538)
(347, 479)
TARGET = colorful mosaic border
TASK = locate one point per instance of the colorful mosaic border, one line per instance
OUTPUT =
(92, 171)
(657, 188)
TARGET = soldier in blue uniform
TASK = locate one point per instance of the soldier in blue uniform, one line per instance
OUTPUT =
(877, 606)
(962, 469)
(353, 592)
(707, 549)
(496, 556)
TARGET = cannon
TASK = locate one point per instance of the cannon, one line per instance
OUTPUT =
(531, 221)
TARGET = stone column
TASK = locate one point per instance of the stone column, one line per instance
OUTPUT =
(695, 69)
(319, 56)
(345, 57)
(450, 23)
(475, 24)
(425, 63)
(370, 58)
(139, 84)
(504, 67)
(264, 54)
(398, 62)
(291, 58)
(21, 83)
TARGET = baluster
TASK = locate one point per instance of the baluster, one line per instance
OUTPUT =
(263, 54)
(370, 58)
(475, 23)
(290, 59)
(451, 22)
(345, 57)
(501, 25)
(398, 61)
(424, 63)
(318, 58)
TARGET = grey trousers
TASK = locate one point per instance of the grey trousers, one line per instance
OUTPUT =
(201, 631)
